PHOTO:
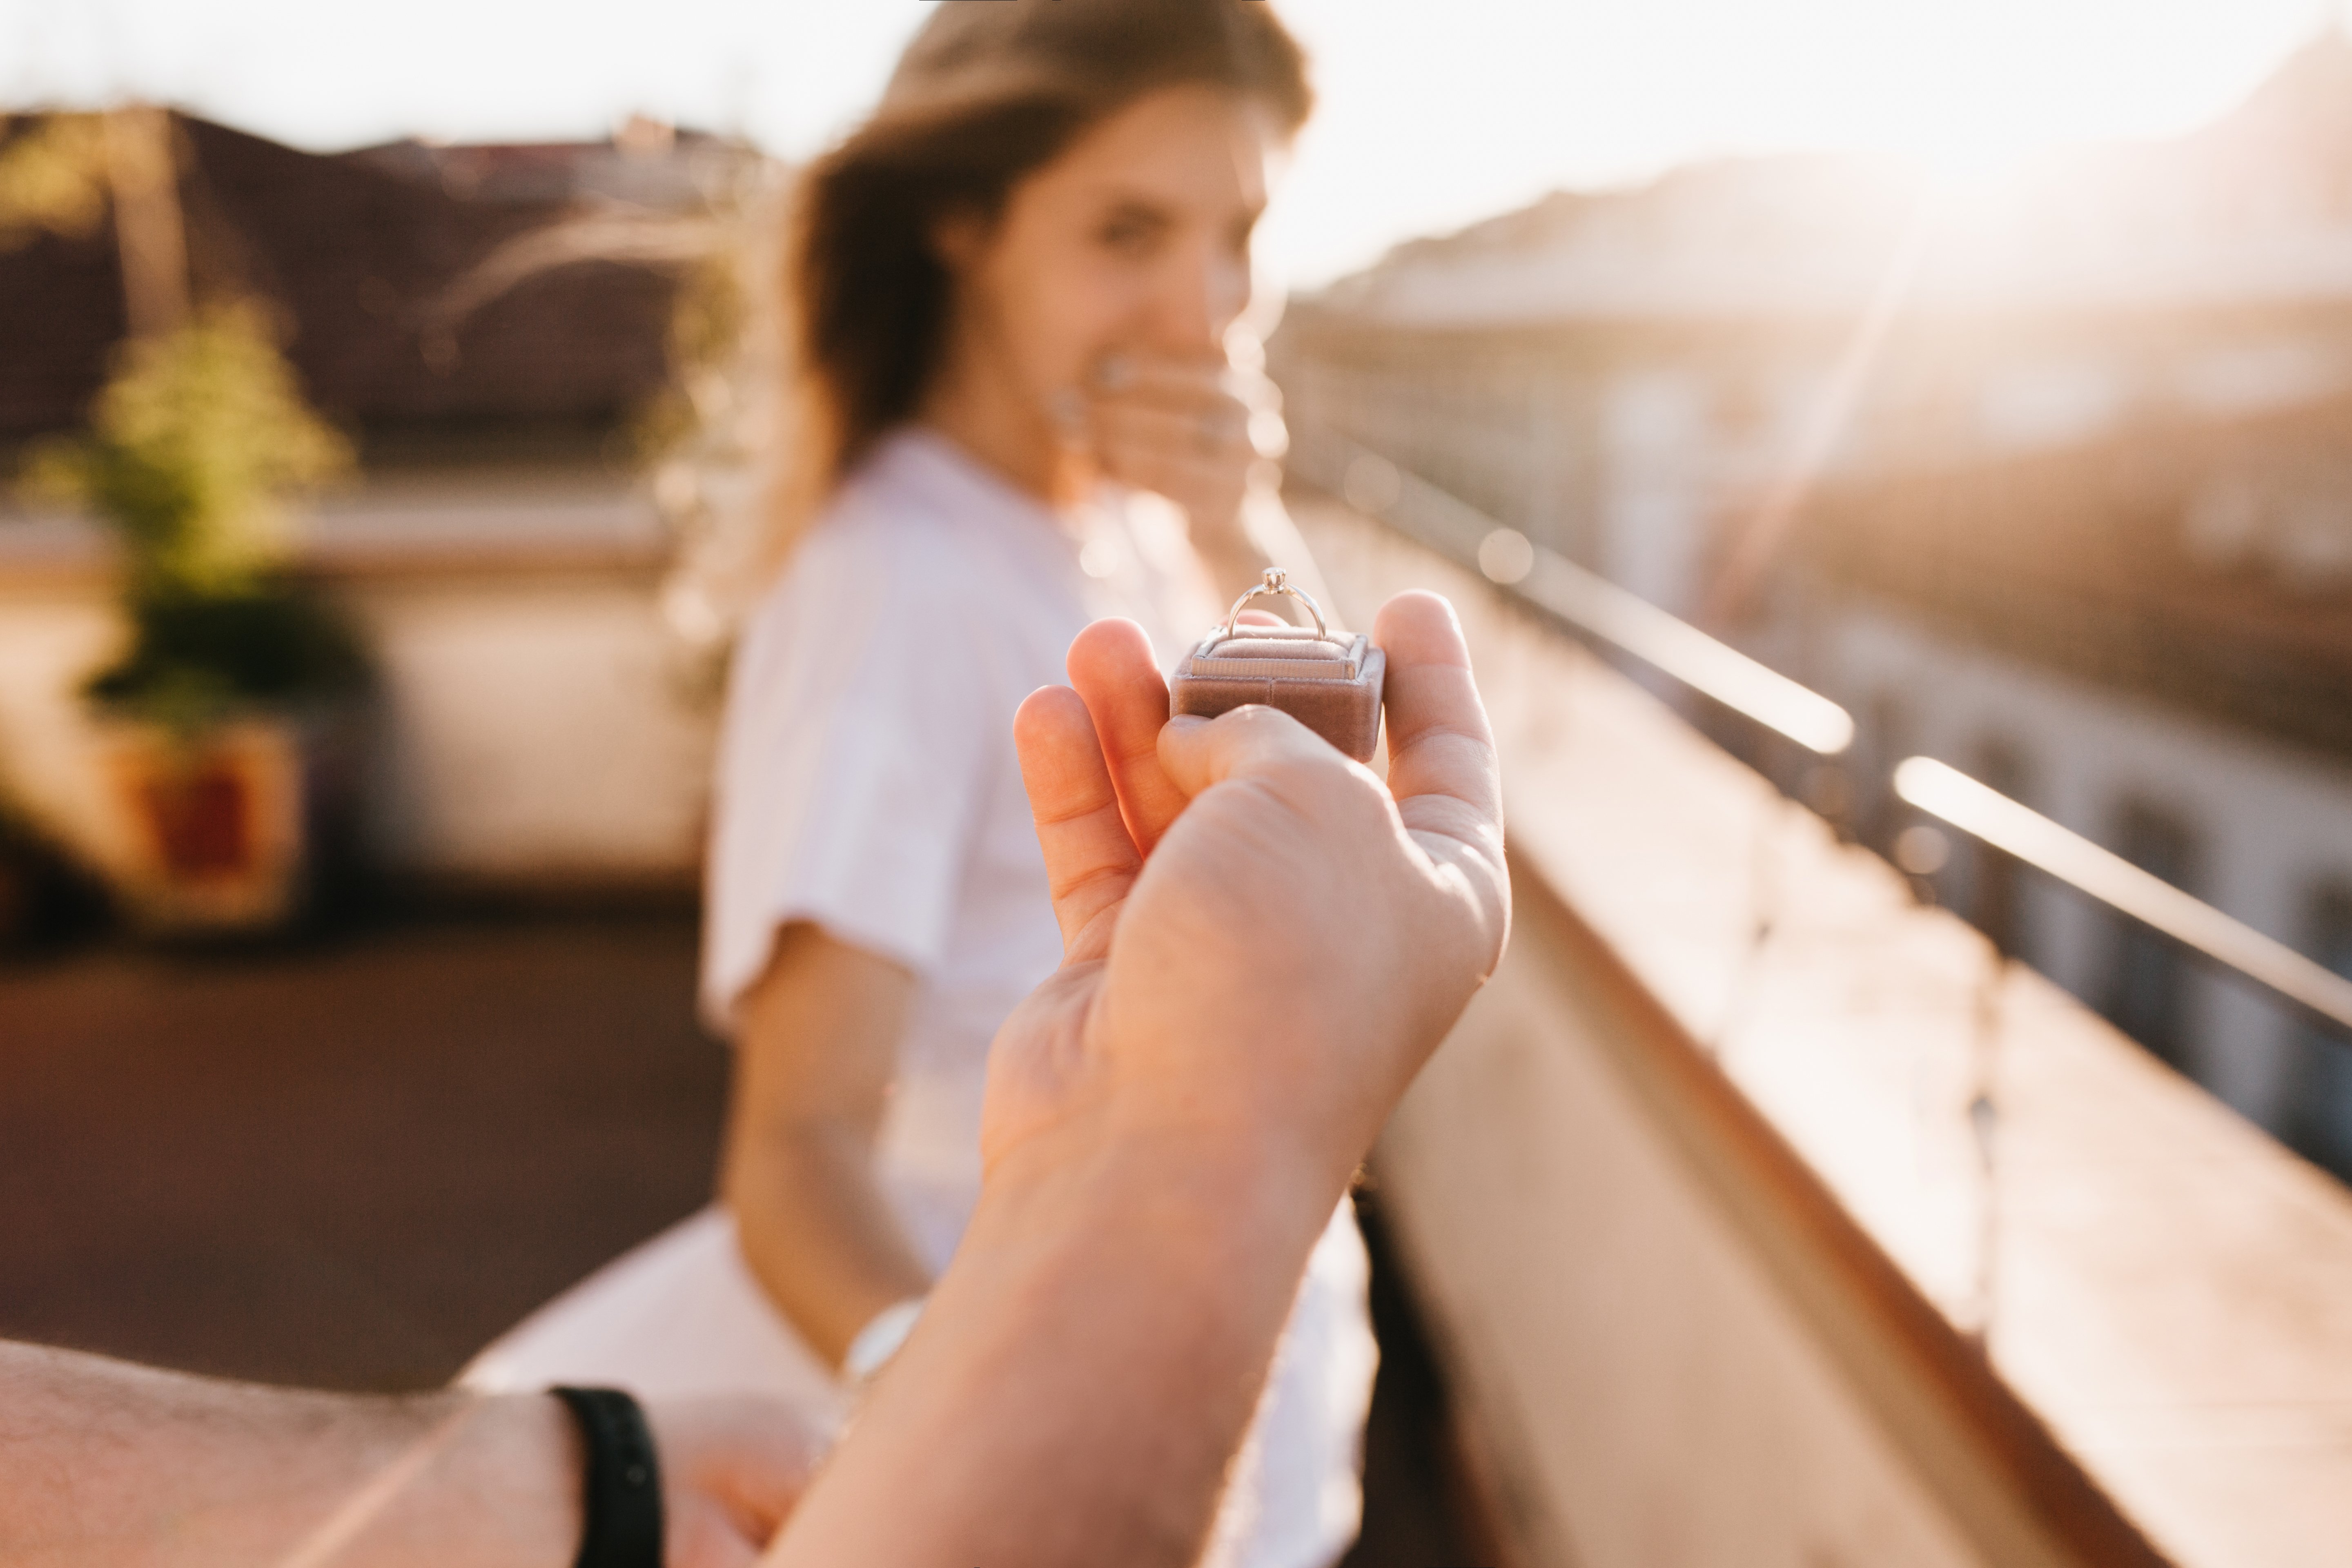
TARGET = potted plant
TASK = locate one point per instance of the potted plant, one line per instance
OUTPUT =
(231, 722)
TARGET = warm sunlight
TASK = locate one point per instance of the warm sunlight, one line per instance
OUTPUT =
(643, 828)
(1432, 115)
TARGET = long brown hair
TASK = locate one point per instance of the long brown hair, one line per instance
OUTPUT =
(984, 95)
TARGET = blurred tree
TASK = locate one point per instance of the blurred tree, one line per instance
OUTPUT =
(59, 174)
(714, 437)
(53, 177)
(196, 444)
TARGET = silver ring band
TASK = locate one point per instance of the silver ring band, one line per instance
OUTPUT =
(1277, 580)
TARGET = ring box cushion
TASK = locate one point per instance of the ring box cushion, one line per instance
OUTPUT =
(1331, 685)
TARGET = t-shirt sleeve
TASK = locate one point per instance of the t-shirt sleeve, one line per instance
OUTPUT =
(861, 731)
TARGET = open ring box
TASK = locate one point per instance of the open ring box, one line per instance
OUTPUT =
(1329, 681)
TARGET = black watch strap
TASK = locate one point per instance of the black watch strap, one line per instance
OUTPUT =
(621, 1490)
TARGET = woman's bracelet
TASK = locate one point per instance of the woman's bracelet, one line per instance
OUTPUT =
(879, 1340)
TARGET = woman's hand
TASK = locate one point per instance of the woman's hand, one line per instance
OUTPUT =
(1190, 430)
(1263, 942)
(732, 1471)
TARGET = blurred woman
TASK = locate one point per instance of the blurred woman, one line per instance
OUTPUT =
(1023, 404)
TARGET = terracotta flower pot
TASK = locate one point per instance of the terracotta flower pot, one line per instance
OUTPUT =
(228, 831)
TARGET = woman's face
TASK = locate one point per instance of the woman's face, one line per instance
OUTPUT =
(1136, 240)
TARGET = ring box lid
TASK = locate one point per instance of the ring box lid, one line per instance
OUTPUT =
(1264, 653)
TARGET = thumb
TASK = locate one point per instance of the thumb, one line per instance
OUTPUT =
(1252, 740)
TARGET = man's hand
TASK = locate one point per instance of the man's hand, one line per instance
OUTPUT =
(1264, 942)
(732, 1470)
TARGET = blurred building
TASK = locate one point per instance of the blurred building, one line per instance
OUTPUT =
(2149, 637)
(1625, 375)
(2046, 481)
(492, 326)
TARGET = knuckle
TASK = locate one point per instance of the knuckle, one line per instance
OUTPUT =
(1317, 775)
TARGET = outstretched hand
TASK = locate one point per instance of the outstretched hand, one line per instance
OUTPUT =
(1263, 942)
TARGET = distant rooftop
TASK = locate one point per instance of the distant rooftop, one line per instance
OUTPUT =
(645, 163)
(2203, 563)
(2256, 207)
(356, 250)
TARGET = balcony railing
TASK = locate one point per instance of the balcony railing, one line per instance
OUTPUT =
(1585, 600)
(2016, 830)
(1588, 604)
(1764, 1215)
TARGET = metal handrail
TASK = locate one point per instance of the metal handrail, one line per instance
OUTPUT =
(1544, 578)
(1551, 581)
(1592, 603)
(1983, 813)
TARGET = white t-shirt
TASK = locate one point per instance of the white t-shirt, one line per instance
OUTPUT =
(867, 780)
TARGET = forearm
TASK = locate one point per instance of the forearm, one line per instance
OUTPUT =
(814, 1065)
(1088, 1368)
(818, 1232)
(104, 1462)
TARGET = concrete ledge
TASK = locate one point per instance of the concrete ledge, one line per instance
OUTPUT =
(502, 526)
(541, 722)
(1705, 1227)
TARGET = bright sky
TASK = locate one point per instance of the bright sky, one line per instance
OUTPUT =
(1435, 112)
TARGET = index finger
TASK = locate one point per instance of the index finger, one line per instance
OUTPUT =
(1113, 670)
(1090, 859)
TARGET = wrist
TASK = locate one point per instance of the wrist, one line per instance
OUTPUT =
(468, 1479)
(531, 1447)
(1115, 1263)
(1208, 1182)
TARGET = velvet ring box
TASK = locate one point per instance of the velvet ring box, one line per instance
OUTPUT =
(1330, 682)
